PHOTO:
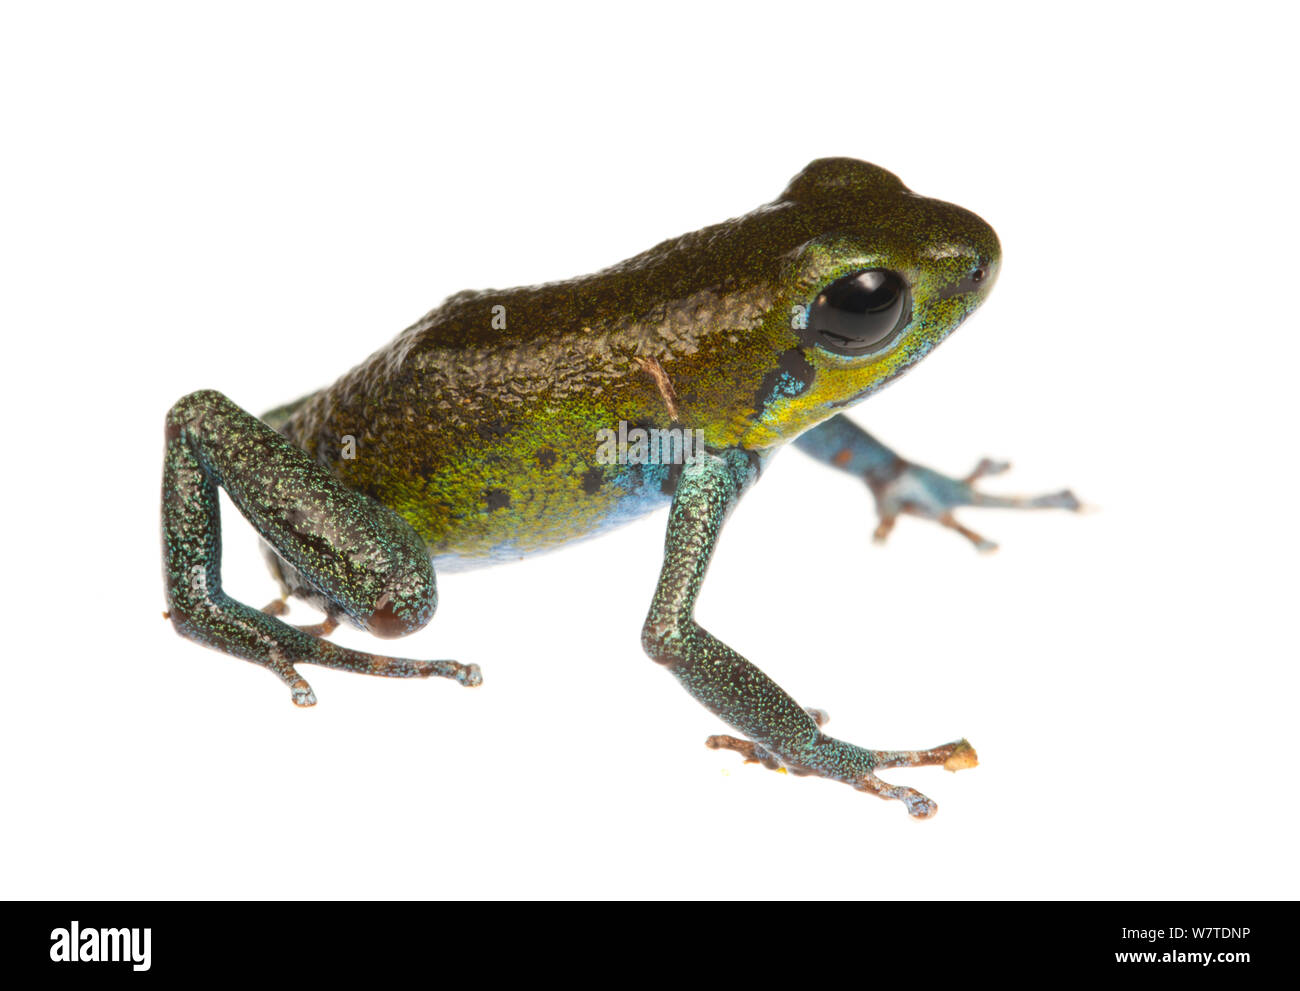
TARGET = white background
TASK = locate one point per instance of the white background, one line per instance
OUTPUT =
(253, 197)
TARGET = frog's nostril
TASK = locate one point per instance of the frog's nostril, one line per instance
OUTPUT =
(976, 279)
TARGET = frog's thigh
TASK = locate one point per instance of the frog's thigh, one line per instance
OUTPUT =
(363, 558)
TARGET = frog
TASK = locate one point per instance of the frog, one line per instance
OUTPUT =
(505, 423)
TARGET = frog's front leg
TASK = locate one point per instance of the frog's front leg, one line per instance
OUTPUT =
(363, 559)
(778, 732)
(902, 487)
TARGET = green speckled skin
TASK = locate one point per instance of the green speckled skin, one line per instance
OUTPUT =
(454, 410)
(472, 438)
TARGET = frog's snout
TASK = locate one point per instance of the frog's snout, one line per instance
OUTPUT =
(987, 252)
(971, 257)
(976, 278)
(985, 272)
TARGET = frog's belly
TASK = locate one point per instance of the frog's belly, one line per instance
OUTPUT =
(541, 511)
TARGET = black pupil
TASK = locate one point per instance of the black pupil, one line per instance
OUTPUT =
(860, 312)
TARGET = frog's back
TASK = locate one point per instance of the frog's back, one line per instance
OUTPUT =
(481, 423)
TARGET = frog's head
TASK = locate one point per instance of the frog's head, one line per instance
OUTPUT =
(878, 277)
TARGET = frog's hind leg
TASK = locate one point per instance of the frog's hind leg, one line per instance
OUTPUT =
(360, 556)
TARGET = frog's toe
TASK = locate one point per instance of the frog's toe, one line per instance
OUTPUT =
(986, 468)
(961, 757)
(754, 753)
(918, 806)
(885, 528)
(332, 655)
(956, 756)
(302, 695)
(921, 807)
(982, 544)
(470, 675)
(1064, 499)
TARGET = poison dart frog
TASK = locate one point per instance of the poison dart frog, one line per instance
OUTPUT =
(506, 422)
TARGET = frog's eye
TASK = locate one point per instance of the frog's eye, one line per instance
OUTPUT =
(860, 312)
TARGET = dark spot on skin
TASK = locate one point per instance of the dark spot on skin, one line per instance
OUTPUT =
(592, 480)
(498, 498)
(491, 429)
(791, 376)
(546, 457)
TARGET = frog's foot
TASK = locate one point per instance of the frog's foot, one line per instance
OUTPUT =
(831, 758)
(293, 645)
(331, 655)
(754, 753)
(903, 488)
(300, 691)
